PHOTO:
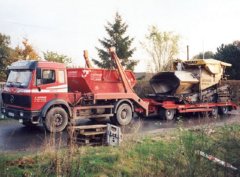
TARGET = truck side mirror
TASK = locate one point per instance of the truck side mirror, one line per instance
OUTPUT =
(38, 76)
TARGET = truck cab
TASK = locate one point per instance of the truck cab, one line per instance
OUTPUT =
(32, 87)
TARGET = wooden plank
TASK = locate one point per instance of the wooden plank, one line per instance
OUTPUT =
(93, 133)
(89, 126)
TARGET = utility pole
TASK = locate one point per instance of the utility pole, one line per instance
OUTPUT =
(187, 52)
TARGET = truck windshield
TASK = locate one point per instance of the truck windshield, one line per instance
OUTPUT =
(19, 78)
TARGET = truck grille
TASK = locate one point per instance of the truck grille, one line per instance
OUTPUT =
(17, 100)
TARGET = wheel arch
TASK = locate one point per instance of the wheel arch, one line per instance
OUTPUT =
(55, 103)
(118, 103)
(163, 113)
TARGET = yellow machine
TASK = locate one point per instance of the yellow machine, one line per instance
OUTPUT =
(190, 77)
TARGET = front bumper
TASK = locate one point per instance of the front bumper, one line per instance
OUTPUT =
(26, 116)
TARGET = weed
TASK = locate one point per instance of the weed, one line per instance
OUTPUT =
(165, 155)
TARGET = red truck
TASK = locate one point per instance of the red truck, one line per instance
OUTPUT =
(49, 93)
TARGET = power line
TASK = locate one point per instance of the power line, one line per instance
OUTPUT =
(39, 26)
(24, 24)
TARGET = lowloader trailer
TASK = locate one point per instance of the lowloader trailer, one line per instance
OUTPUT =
(193, 86)
(49, 93)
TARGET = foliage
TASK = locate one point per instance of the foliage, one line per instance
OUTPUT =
(53, 56)
(230, 53)
(116, 38)
(27, 52)
(168, 154)
(207, 55)
(162, 48)
(9, 55)
(143, 88)
(6, 55)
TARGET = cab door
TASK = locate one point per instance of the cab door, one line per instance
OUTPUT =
(43, 91)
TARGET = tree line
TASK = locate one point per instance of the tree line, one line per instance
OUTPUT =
(161, 46)
(26, 51)
(229, 53)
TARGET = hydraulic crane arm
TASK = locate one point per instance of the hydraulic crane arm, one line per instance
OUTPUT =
(126, 84)
(87, 60)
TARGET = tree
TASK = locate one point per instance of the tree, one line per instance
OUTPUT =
(207, 55)
(162, 48)
(6, 55)
(53, 56)
(230, 53)
(27, 52)
(116, 38)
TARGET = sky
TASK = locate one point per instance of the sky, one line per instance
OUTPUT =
(71, 26)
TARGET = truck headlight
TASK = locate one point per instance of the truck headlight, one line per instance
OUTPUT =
(3, 110)
(21, 114)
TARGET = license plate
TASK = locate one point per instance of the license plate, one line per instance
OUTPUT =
(11, 114)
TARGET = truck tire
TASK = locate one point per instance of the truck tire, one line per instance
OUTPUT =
(167, 114)
(223, 110)
(123, 115)
(56, 120)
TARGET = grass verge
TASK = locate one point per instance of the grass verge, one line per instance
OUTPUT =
(171, 154)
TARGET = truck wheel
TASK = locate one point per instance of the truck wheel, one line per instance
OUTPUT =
(123, 115)
(167, 114)
(56, 120)
(223, 110)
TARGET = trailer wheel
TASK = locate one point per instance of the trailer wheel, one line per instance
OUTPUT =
(214, 112)
(123, 115)
(223, 110)
(56, 120)
(167, 114)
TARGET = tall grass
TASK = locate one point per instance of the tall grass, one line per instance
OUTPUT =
(171, 154)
